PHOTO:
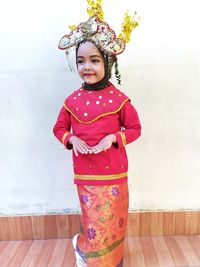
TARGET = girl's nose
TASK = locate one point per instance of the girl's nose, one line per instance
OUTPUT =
(87, 66)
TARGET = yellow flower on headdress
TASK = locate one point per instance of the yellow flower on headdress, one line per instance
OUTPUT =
(73, 27)
(128, 25)
(95, 8)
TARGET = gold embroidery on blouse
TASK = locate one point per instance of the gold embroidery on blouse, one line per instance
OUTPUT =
(98, 117)
(100, 177)
(123, 137)
(64, 137)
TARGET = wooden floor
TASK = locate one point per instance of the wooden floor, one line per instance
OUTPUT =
(169, 251)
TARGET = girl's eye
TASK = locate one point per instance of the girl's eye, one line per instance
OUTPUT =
(79, 61)
(95, 60)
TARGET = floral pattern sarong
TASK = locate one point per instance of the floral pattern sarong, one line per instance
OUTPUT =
(104, 221)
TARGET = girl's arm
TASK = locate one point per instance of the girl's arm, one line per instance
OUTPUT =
(62, 128)
(62, 132)
(131, 130)
(131, 127)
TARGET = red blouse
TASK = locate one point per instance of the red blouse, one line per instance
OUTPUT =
(91, 115)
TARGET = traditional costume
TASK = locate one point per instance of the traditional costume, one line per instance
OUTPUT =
(101, 178)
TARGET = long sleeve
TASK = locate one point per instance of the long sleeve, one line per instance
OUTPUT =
(62, 128)
(131, 127)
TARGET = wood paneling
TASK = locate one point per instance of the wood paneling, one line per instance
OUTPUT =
(156, 223)
(168, 222)
(62, 226)
(66, 225)
(144, 224)
(38, 227)
(191, 222)
(180, 223)
(4, 229)
(133, 224)
(74, 224)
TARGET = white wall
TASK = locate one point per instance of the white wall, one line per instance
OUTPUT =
(160, 72)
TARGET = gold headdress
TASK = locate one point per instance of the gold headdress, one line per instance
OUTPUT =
(99, 32)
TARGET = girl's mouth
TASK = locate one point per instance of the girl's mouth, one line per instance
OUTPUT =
(88, 74)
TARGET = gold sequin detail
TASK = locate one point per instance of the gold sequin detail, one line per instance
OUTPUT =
(98, 117)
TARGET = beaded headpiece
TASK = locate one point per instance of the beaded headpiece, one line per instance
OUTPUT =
(95, 29)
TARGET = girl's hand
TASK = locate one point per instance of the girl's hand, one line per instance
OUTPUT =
(79, 145)
(104, 144)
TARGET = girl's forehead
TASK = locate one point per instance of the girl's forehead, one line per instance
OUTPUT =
(88, 48)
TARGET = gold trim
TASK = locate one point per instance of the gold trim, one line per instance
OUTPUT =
(123, 137)
(98, 117)
(100, 177)
(64, 137)
(104, 251)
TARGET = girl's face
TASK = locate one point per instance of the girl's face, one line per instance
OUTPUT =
(90, 63)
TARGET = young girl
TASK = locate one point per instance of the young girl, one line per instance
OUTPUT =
(97, 121)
